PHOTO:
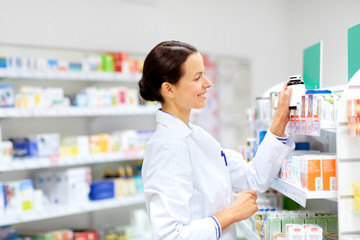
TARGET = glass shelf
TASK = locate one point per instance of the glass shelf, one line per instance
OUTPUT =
(300, 195)
(37, 163)
(71, 76)
(76, 111)
(61, 210)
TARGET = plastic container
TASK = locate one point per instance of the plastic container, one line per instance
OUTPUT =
(298, 90)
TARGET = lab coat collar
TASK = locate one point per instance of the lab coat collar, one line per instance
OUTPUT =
(173, 123)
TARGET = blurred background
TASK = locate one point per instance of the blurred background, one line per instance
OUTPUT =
(248, 48)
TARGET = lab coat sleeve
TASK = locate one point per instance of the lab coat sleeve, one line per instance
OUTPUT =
(262, 170)
(168, 188)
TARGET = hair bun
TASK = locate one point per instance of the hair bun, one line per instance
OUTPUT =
(145, 91)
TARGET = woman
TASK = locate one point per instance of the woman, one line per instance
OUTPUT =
(188, 178)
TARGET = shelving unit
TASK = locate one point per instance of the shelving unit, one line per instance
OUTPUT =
(348, 162)
(333, 138)
(69, 121)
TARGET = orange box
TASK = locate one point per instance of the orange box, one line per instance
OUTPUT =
(313, 171)
(329, 173)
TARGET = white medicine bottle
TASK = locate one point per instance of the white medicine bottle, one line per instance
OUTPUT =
(298, 90)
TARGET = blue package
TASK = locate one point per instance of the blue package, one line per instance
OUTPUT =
(2, 62)
(52, 64)
(21, 148)
(102, 185)
(101, 195)
(302, 146)
(75, 66)
(308, 92)
(33, 149)
(3, 195)
(102, 190)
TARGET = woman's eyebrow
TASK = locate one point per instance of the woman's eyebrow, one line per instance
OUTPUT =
(200, 72)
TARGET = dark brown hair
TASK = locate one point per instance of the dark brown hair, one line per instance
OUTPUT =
(163, 64)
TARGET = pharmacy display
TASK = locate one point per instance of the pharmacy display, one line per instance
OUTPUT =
(76, 169)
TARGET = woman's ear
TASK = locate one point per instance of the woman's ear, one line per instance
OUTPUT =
(167, 90)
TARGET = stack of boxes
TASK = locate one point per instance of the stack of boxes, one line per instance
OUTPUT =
(318, 109)
(118, 62)
(313, 172)
(70, 186)
(52, 146)
(275, 224)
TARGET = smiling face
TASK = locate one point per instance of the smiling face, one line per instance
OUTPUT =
(189, 92)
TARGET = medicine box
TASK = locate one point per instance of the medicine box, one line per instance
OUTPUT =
(313, 232)
(7, 95)
(295, 232)
(45, 145)
(329, 173)
(22, 195)
(312, 172)
(6, 151)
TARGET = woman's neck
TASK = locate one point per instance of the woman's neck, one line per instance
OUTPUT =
(183, 115)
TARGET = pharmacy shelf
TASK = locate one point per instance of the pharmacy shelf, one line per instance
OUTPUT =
(71, 76)
(300, 195)
(348, 163)
(76, 111)
(264, 125)
(61, 210)
(244, 228)
(37, 163)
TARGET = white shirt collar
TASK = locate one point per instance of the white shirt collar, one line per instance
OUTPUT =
(173, 123)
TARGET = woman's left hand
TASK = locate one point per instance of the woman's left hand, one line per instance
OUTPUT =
(282, 114)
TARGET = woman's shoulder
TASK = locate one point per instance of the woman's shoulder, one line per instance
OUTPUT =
(164, 136)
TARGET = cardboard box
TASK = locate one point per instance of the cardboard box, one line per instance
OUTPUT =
(329, 173)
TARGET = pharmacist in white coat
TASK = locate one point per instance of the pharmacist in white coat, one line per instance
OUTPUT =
(188, 178)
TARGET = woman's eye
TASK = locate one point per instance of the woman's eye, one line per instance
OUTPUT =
(198, 78)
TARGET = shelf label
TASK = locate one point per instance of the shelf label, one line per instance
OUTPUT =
(292, 192)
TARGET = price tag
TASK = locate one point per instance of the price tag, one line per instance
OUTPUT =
(54, 160)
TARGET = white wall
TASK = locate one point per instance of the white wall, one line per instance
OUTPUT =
(248, 29)
(271, 34)
(326, 20)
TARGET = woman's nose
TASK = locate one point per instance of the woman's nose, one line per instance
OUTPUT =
(207, 83)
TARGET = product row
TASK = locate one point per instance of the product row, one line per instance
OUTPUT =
(137, 229)
(106, 62)
(310, 170)
(53, 146)
(29, 97)
(280, 225)
(353, 113)
(66, 187)
(316, 109)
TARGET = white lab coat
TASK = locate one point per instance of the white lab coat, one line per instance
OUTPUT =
(186, 180)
